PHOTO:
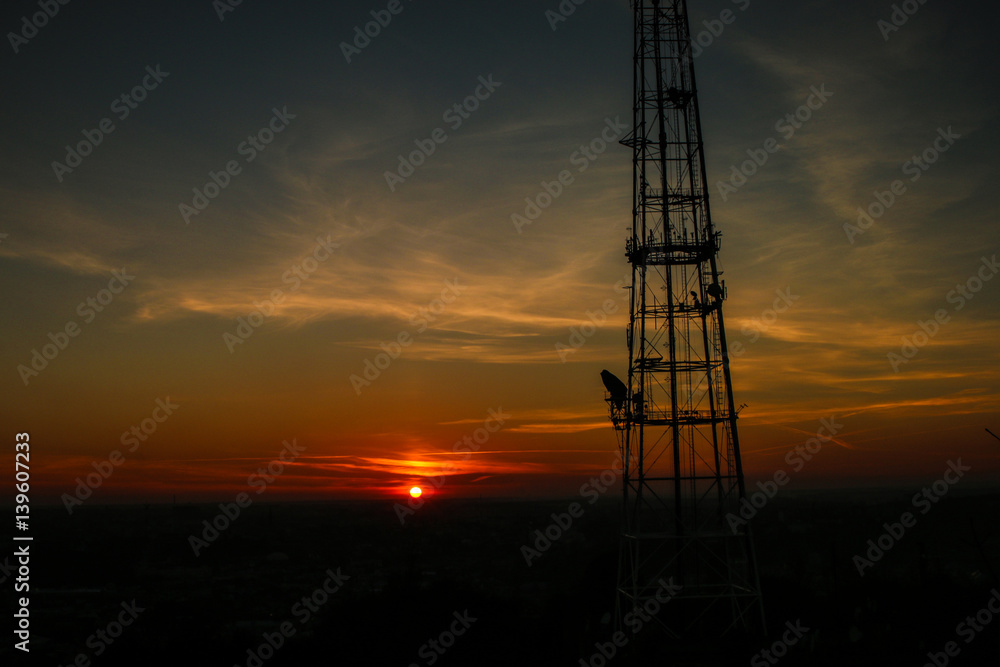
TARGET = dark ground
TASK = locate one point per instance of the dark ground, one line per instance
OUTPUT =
(406, 582)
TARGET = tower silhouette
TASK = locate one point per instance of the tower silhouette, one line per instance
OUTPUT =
(675, 416)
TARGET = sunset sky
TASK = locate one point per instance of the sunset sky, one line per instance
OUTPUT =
(434, 260)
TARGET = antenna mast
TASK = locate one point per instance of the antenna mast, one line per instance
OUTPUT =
(677, 424)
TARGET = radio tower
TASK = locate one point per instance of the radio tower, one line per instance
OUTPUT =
(675, 418)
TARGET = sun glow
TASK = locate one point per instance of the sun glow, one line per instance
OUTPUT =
(415, 492)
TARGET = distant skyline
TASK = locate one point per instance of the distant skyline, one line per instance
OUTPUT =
(227, 230)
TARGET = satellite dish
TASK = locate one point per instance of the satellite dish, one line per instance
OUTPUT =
(615, 387)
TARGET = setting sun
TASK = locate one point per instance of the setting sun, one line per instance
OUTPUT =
(415, 492)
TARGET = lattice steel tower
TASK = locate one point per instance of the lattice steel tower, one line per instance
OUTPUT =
(676, 418)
